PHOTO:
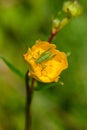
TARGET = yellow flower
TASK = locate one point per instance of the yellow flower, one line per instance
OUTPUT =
(45, 62)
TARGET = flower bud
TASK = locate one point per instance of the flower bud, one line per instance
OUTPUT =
(72, 8)
(56, 23)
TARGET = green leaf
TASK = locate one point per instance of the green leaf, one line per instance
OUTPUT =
(14, 69)
(44, 86)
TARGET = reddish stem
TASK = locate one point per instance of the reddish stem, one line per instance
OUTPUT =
(53, 34)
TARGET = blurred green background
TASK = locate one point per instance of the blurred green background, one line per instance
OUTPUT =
(22, 22)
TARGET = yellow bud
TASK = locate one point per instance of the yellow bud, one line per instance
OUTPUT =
(56, 23)
(72, 8)
(63, 23)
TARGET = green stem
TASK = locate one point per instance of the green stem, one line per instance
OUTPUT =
(29, 92)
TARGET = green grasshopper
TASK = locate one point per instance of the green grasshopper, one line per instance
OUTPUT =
(45, 56)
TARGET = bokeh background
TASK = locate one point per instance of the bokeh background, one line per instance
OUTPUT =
(22, 22)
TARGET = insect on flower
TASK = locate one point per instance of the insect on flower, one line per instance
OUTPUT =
(45, 62)
(45, 56)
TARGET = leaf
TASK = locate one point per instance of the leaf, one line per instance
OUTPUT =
(14, 69)
(42, 86)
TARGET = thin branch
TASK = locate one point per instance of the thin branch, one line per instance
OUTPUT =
(53, 34)
(29, 92)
